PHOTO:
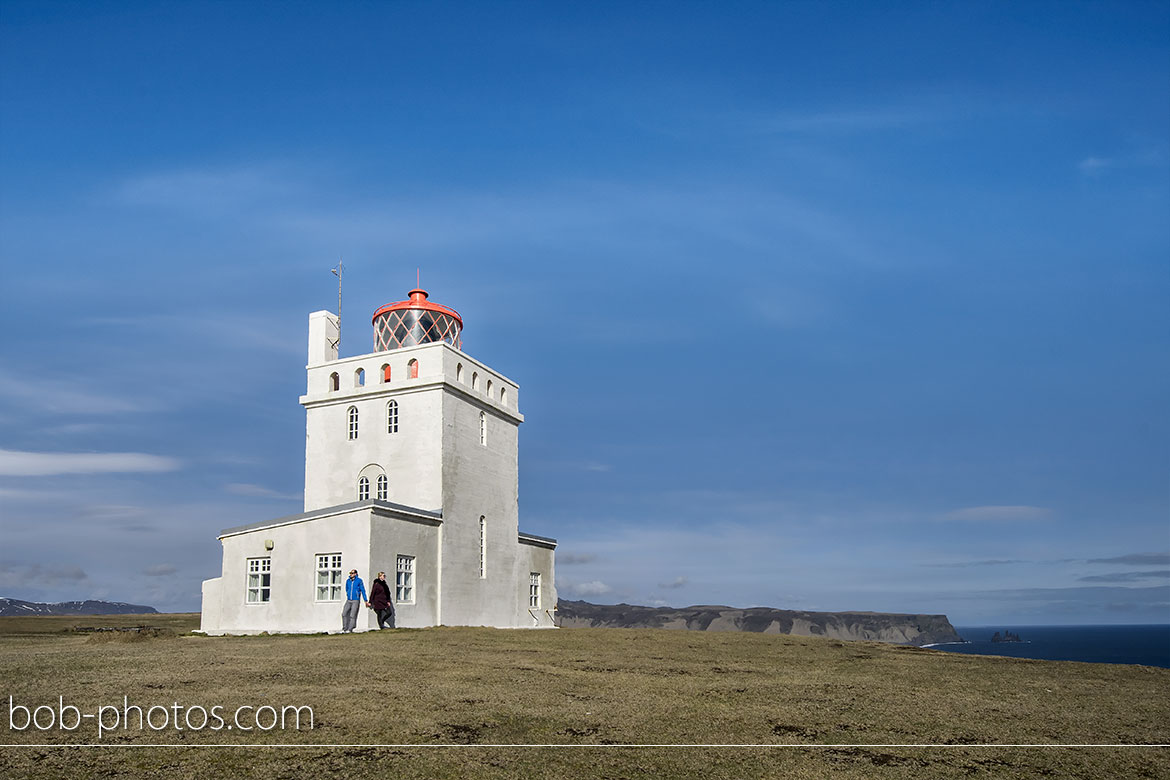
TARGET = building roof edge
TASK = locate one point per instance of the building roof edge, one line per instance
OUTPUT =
(434, 516)
(543, 541)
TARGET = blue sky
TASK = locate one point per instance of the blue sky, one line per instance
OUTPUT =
(826, 306)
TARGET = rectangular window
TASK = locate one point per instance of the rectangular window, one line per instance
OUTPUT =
(534, 590)
(482, 547)
(404, 581)
(329, 577)
(259, 580)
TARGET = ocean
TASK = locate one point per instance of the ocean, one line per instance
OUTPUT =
(1149, 645)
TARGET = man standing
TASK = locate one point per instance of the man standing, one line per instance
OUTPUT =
(355, 594)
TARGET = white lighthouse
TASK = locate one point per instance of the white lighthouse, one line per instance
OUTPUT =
(411, 468)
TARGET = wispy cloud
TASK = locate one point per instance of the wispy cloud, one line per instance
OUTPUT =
(574, 559)
(999, 514)
(76, 428)
(640, 215)
(860, 120)
(258, 491)
(1096, 166)
(1093, 165)
(1136, 559)
(241, 332)
(749, 503)
(205, 191)
(1127, 576)
(113, 511)
(21, 575)
(26, 495)
(583, 589)
(14, 463)
(62, 397)
(159, 570)
(967, 564)
(1097, 595)
(788, 308)
(677, 582)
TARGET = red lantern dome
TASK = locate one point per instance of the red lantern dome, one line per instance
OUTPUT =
(416, 321)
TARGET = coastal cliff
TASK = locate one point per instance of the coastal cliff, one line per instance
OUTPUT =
(875, 626)
(17, 608)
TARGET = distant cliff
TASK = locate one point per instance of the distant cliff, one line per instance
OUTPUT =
(16, 607)
(876, 626)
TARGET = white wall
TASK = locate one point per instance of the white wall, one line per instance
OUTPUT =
(479, 480)
(391, 537)
(324, 330)
(293, 606)
(536, 558)
(412, 458)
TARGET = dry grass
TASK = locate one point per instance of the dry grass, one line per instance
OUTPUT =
(581, 687)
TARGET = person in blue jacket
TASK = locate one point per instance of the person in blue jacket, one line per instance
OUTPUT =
(355, 594)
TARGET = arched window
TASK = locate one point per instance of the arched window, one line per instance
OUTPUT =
(459, 373)
(334, 381)
(489, 388)
(359, 378)
(503, 396)
(412, 369)
(353, 425)
(392, 417)
(386, 373)
(374, 475)
(483, 428)
(474, 380)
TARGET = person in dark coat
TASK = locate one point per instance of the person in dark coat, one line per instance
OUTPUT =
(381, 601)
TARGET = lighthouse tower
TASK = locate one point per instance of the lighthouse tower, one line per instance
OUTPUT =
(416, 422)
(411, 468)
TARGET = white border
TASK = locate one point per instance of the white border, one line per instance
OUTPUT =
(587, 745)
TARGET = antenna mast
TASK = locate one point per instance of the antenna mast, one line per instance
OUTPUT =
(337, 272)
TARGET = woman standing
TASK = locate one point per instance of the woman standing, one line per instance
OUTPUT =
(381, 602)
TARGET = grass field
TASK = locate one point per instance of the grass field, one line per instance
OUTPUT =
(594, 689)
